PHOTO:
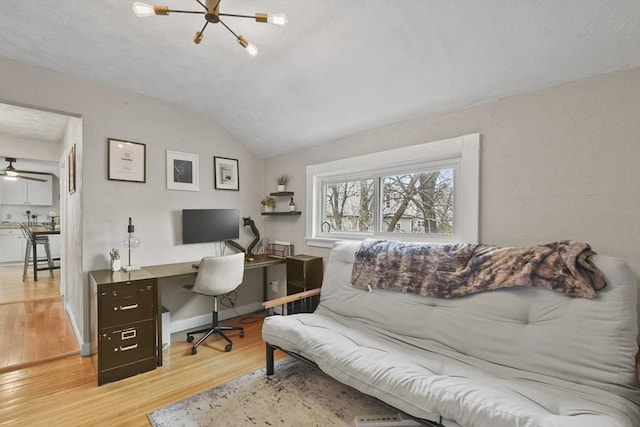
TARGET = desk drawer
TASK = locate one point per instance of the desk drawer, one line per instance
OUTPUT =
(126, 344)
(126, 302)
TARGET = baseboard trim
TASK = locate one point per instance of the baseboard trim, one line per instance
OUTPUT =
(205, 319)
(85, 348)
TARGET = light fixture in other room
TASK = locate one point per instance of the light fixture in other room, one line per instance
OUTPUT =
(131, 241)
(10, 173)
(212, 15)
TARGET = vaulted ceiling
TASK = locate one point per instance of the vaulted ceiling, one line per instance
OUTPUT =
(338, 68)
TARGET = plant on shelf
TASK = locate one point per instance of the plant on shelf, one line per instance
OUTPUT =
(281, 181)
(268, 203)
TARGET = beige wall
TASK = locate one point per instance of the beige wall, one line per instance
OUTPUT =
(560, 163)
(156, 211)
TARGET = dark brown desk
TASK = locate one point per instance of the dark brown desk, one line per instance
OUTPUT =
(167, 271)
(35, 232)
(100, 278)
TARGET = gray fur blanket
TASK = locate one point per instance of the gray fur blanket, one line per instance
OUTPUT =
(454, 270)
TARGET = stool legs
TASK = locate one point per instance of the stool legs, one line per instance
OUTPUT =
(27, 254)
(49, 260)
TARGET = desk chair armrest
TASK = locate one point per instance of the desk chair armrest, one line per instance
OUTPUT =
(282, 301)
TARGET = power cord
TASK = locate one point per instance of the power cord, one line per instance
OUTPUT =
(254, 317)
(229, 301)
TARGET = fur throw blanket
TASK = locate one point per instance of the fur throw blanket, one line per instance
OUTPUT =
(454, 270)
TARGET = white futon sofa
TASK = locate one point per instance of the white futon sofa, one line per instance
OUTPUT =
(505, 358)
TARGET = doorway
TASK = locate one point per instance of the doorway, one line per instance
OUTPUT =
(34, 313)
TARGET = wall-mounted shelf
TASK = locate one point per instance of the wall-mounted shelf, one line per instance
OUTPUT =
(283, 213)
(282, 194)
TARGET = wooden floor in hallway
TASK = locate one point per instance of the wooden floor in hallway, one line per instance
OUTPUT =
(34, 326)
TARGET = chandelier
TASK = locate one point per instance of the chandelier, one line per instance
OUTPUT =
(212, 15)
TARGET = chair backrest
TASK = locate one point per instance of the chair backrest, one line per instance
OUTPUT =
(26, 232)
(28, 235)
(219, 275)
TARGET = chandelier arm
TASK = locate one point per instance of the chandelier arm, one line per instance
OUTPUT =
(184, 11)
(238, 16)
(204, 26)
(230, 30)
(201, 4)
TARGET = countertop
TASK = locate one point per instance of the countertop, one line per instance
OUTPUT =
(6, 224)
(16, 225)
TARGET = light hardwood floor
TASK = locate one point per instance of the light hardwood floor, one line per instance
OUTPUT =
(13, 289)
(40, 384)
(33, 323)
(64, 391)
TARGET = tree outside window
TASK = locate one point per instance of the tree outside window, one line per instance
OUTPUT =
(412, 203)
(349, 206)
(420, 203)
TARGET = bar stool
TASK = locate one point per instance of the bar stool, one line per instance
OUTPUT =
(39, 240)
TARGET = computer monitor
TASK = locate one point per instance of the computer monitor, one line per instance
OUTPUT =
(210, 225)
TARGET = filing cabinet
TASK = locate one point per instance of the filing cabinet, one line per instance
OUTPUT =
(124, 324)
(304, 272)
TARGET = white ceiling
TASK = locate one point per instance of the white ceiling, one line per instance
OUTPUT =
(29, 123)
(338, 68)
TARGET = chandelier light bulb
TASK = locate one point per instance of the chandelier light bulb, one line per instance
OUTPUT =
(252, 49)
(10, 172)
(142, 9)
(279, 19)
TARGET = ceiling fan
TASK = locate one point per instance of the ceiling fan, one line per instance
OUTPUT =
(10, 173)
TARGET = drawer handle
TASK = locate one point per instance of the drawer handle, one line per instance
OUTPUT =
(129, 347)
(128, 307)
(127, 335)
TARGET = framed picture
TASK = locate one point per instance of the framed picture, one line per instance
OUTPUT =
(182, 171)
(225, 173)
(127, 161)
(71, 167)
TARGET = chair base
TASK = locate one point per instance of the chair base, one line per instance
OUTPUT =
(211, 331)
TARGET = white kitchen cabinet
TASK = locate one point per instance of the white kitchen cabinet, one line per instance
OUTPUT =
(54, 246)
(26, 192)
(12, 245)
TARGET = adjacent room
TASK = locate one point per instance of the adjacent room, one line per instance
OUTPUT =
(187, 184)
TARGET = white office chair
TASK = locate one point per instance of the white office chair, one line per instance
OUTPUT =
(218, 276)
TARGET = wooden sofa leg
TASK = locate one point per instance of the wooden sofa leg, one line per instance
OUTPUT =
(270, 351)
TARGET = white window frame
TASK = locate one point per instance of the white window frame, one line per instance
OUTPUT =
(462, 151)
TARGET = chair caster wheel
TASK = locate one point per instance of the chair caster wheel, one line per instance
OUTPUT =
(227, 348)
(189, 338)
(194, 350)
(241, 334)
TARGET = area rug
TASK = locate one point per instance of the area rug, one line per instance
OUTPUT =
(296, 395)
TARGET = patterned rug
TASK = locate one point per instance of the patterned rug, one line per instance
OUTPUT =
(297, 395)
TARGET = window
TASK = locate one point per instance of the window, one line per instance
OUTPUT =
(427, 192)
(348, 205)
(419, 202)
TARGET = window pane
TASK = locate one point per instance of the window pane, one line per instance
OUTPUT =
(348, 206)
(418, 203)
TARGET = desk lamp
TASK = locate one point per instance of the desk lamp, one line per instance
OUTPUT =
(131, 241)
